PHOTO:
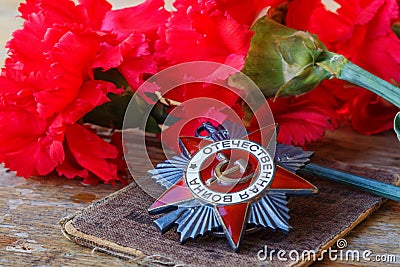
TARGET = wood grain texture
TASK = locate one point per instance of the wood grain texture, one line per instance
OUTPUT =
(30, 209)
(380, 233)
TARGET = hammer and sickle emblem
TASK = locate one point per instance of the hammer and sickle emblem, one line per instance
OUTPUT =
(222, 176)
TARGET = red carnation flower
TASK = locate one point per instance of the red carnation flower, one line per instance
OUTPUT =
(361, 31)
(305, 118)
(217, 31)
(136, 28)
(48, 85)
(206, 102)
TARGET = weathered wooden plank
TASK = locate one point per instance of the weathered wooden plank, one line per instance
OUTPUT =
(30, 209)
(29, 233)
(29, 230)
(381, 232)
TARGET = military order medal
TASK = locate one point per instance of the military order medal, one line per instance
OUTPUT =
(229, 182)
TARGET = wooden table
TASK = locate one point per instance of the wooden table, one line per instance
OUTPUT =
(30, 209)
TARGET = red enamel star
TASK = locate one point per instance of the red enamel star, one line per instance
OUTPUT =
(227, 184)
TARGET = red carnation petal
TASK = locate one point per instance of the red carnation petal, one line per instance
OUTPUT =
(23, 134)
(91, 95)
(246, 11)
(70, 68)
(144, 18)
(362, 33)
(113, 56)
(206, 31)
(70, 171)
(93, 11)
(374, 115)
(305, 118)
(91, 152)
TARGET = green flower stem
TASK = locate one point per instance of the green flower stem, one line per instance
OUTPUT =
(358, 76)
(372, 186)
(397, 125)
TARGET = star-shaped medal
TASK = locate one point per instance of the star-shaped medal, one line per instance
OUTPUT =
(228, 182)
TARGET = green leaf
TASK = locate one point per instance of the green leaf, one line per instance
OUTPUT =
(110, 114)
(113, 76)
(298, 50)
(396, 28)
(138, 114)
(152, 126)
(307, 80)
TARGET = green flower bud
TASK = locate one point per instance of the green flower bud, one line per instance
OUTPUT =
(283, 61)
(286, 62)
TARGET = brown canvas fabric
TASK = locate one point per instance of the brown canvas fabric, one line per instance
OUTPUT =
(120, 225)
